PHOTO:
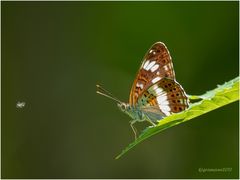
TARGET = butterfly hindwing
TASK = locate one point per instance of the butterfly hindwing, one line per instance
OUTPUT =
(163, 98)
(156, 65)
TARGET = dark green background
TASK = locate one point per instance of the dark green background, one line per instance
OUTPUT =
(53, 54)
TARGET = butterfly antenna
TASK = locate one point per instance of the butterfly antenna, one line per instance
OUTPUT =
(106, 93)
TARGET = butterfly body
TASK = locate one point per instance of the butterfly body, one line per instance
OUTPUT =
(155, 93)
(134, 112)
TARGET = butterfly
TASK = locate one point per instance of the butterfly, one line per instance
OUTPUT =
(155, 93)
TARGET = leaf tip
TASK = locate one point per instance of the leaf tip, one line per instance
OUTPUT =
(117, 157)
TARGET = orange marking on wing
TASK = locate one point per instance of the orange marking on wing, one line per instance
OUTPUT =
(152, 102)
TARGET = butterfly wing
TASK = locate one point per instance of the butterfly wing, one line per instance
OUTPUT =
(162, 99)
(157, 64)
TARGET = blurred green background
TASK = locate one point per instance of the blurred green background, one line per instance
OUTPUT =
(53, 54)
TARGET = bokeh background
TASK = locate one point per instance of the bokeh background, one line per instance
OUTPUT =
(54, 53)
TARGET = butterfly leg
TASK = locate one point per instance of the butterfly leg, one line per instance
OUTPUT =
(152, 123)
(133, 128)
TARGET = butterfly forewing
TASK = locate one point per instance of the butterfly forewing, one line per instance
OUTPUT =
(156, 65)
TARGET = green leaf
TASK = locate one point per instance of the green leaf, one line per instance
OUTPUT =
(216, 98)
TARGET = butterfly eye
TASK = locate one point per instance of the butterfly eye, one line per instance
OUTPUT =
(122, 106)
